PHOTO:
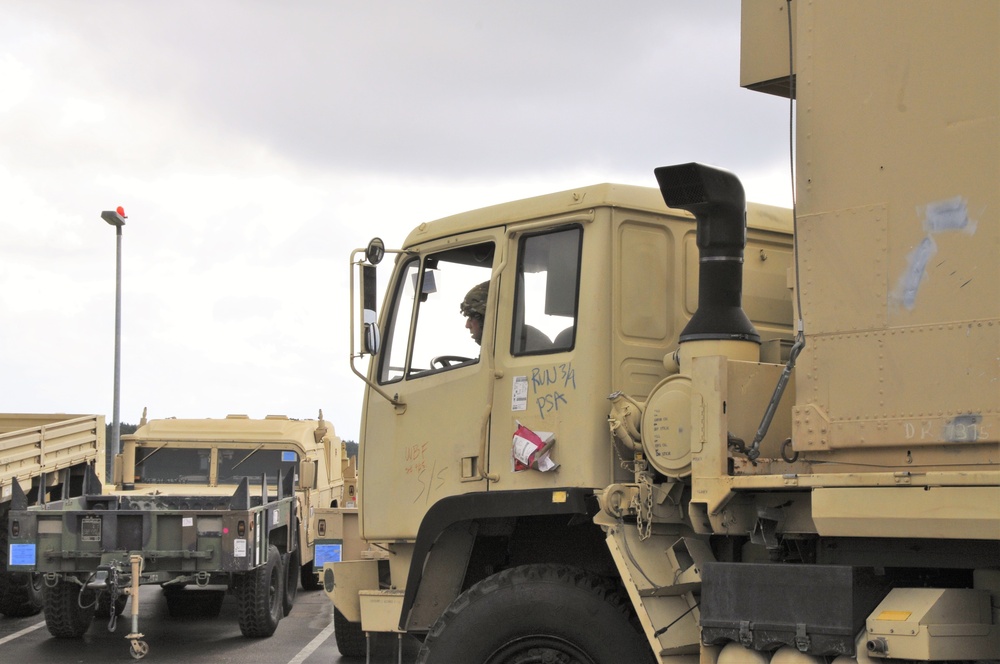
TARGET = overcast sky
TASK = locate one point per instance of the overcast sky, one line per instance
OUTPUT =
(254, 144)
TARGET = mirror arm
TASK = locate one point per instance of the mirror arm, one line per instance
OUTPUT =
(394, 400)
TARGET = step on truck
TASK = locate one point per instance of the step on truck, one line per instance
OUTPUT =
(48, 455)
(618, 466)
(198, 507)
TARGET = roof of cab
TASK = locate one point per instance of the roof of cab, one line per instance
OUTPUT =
(233, 428)
(649, 199)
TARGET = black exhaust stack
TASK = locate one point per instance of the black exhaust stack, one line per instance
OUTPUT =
(715, 197)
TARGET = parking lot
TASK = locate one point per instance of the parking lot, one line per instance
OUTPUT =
(305, 636)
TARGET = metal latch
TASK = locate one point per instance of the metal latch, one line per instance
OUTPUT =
(802, 640)
(746, 633)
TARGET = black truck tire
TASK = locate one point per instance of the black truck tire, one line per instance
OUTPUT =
(351, 640)
(68, 614)
(21, 594)
(309, 579)
(291, 569)
(537, 613)
(258, 596)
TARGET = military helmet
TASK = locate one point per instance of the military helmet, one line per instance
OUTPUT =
(474, 303)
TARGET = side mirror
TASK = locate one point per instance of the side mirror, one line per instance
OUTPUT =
(371, 339)
(375, 251)
(307, 475)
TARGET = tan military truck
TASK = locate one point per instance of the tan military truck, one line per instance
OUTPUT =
(206, 502)
(51, 456)
(310, 448)
(510, 326)
(838, 502)
(336, 528)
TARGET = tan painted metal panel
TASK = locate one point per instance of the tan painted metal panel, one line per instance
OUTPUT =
(926, 512)
(898, 161)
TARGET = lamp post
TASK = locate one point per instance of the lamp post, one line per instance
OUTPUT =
(117, 219)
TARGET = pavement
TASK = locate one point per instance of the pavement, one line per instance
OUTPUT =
(304, 636)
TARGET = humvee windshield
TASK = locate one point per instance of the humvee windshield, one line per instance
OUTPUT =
(171, 465)
(235, 464)
(160, 465)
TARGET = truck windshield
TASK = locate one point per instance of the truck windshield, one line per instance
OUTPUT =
(162, 465)
(237, 463)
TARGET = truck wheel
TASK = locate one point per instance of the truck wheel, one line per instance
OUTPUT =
(309, 579)
(64, 615)
(350, 639)
(291, 569)
(258, 596)
(21, 594)
(537, 613)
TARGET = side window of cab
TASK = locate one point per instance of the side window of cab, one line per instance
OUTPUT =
(547, 292)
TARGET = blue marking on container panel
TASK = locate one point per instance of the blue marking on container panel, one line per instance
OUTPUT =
(327, 553)
(22, 555)
(288, 456)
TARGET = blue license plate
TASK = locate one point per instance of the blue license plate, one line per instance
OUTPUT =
(327, 553)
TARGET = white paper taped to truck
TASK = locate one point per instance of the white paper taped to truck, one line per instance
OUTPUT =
(530, 449)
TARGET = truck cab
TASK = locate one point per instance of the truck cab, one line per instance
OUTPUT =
(504, 331)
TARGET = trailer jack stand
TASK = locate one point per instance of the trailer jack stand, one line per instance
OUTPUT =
(139, 647)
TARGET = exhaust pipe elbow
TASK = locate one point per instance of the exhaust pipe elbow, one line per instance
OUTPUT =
(716, 199)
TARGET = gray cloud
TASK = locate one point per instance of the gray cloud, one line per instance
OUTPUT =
(435, 88)
(254, 144)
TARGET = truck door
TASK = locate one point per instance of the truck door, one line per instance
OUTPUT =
(438, 333)
(541, 380)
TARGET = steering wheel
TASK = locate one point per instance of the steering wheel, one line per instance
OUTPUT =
(445, 361)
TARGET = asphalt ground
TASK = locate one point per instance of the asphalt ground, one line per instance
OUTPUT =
(304, 636)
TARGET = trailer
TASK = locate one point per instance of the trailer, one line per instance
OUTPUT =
(49, 456)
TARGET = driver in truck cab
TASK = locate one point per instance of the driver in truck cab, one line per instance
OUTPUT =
(473, 307)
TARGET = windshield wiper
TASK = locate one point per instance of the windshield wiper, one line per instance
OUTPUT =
(252, 452)
(154, 451)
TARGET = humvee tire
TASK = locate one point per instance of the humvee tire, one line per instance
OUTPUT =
(21, 594)
(309, 579)
(258, 596)
(290, 563)
(351, 640)
(537, 612)
(65, 618)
